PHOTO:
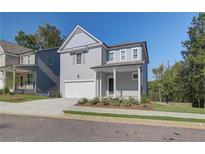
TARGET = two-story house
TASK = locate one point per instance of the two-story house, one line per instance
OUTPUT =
(26, 71)
(90, 68)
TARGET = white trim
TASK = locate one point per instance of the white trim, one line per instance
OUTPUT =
(109, 56)
(125, 54)
(114, 82)
(72, 33)
(133, 74)
(85, 80)
(139, 84)
(138, 53)
(100, 84)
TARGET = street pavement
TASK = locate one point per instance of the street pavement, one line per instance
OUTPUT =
(26, 128)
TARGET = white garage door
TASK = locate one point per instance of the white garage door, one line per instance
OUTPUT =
(1, 83)
(79, 89)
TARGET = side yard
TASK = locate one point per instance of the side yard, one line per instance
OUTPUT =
(17, 98)
(177, 107)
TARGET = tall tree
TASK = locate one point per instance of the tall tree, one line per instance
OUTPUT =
(194, 59)
(158, 73)
(25, 40)
(46, 36)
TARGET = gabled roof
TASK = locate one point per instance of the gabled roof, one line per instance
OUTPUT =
(76, 30)
(13, 48)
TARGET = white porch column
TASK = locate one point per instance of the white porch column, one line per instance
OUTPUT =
(114, 80)
(14, 79)
(95, 82)
(100, 84)
(139, 84)
(35, 80)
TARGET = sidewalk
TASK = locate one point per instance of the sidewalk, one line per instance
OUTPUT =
(137, 112)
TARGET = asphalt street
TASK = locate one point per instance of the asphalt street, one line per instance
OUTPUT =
(35, 129)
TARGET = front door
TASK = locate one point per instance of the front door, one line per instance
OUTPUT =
(21, 81)
(110, 85)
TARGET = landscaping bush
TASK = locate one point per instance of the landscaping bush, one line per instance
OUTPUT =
(105, 101)
(145, 99)
(6, 90)
(1, 91)
(55, 93)
(83, 101)
(94, 101)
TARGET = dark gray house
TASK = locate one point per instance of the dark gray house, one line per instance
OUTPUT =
(26, 71)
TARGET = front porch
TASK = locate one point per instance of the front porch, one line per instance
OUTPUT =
(118, 81)
(20, 79)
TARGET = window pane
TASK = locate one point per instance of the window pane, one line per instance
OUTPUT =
(122, 55)
(78, 58)
(111, 56)
(135, 54)
(49, 60)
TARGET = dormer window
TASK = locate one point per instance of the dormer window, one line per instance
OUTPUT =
(78, 58)
(122, 55)
(135, 54)
(111, 56)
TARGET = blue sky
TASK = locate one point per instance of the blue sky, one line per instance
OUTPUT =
(162, 31)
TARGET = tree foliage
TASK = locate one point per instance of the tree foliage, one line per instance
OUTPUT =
(46, 36)
(185, 80)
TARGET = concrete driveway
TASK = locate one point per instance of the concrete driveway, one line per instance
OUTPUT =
(45, 107)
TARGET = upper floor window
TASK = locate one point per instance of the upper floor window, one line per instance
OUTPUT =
(21, 60)
(78, 58)
(49, 60)
(123, 55)
(135, 53)
(29, 59)
(111, 56)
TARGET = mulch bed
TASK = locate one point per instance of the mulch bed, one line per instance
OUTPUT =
(148, 106)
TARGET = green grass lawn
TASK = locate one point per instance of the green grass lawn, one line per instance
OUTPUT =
(17, 98)
(177, 107)
(134, 116)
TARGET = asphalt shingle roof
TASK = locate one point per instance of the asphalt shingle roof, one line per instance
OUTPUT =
(13, 48)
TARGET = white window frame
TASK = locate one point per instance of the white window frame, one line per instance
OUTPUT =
(29, 59)
(113, 56)
(138, 55)
(51, 58)
(80, 58)
(133, 73)
(21, 60)
(121, 55)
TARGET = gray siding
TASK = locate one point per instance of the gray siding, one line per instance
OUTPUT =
(11, 60)
(128, 54)
(47, 75)
(70, 71)
(80, 39)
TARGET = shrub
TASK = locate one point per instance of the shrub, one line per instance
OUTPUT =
(94, 101)
(83, 101)
(6, 90)
(105, 101)
(145, 99)
(55, 93)
(1, 92)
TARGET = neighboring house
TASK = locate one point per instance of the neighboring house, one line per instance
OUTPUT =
(90, 68)
(26, 71)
